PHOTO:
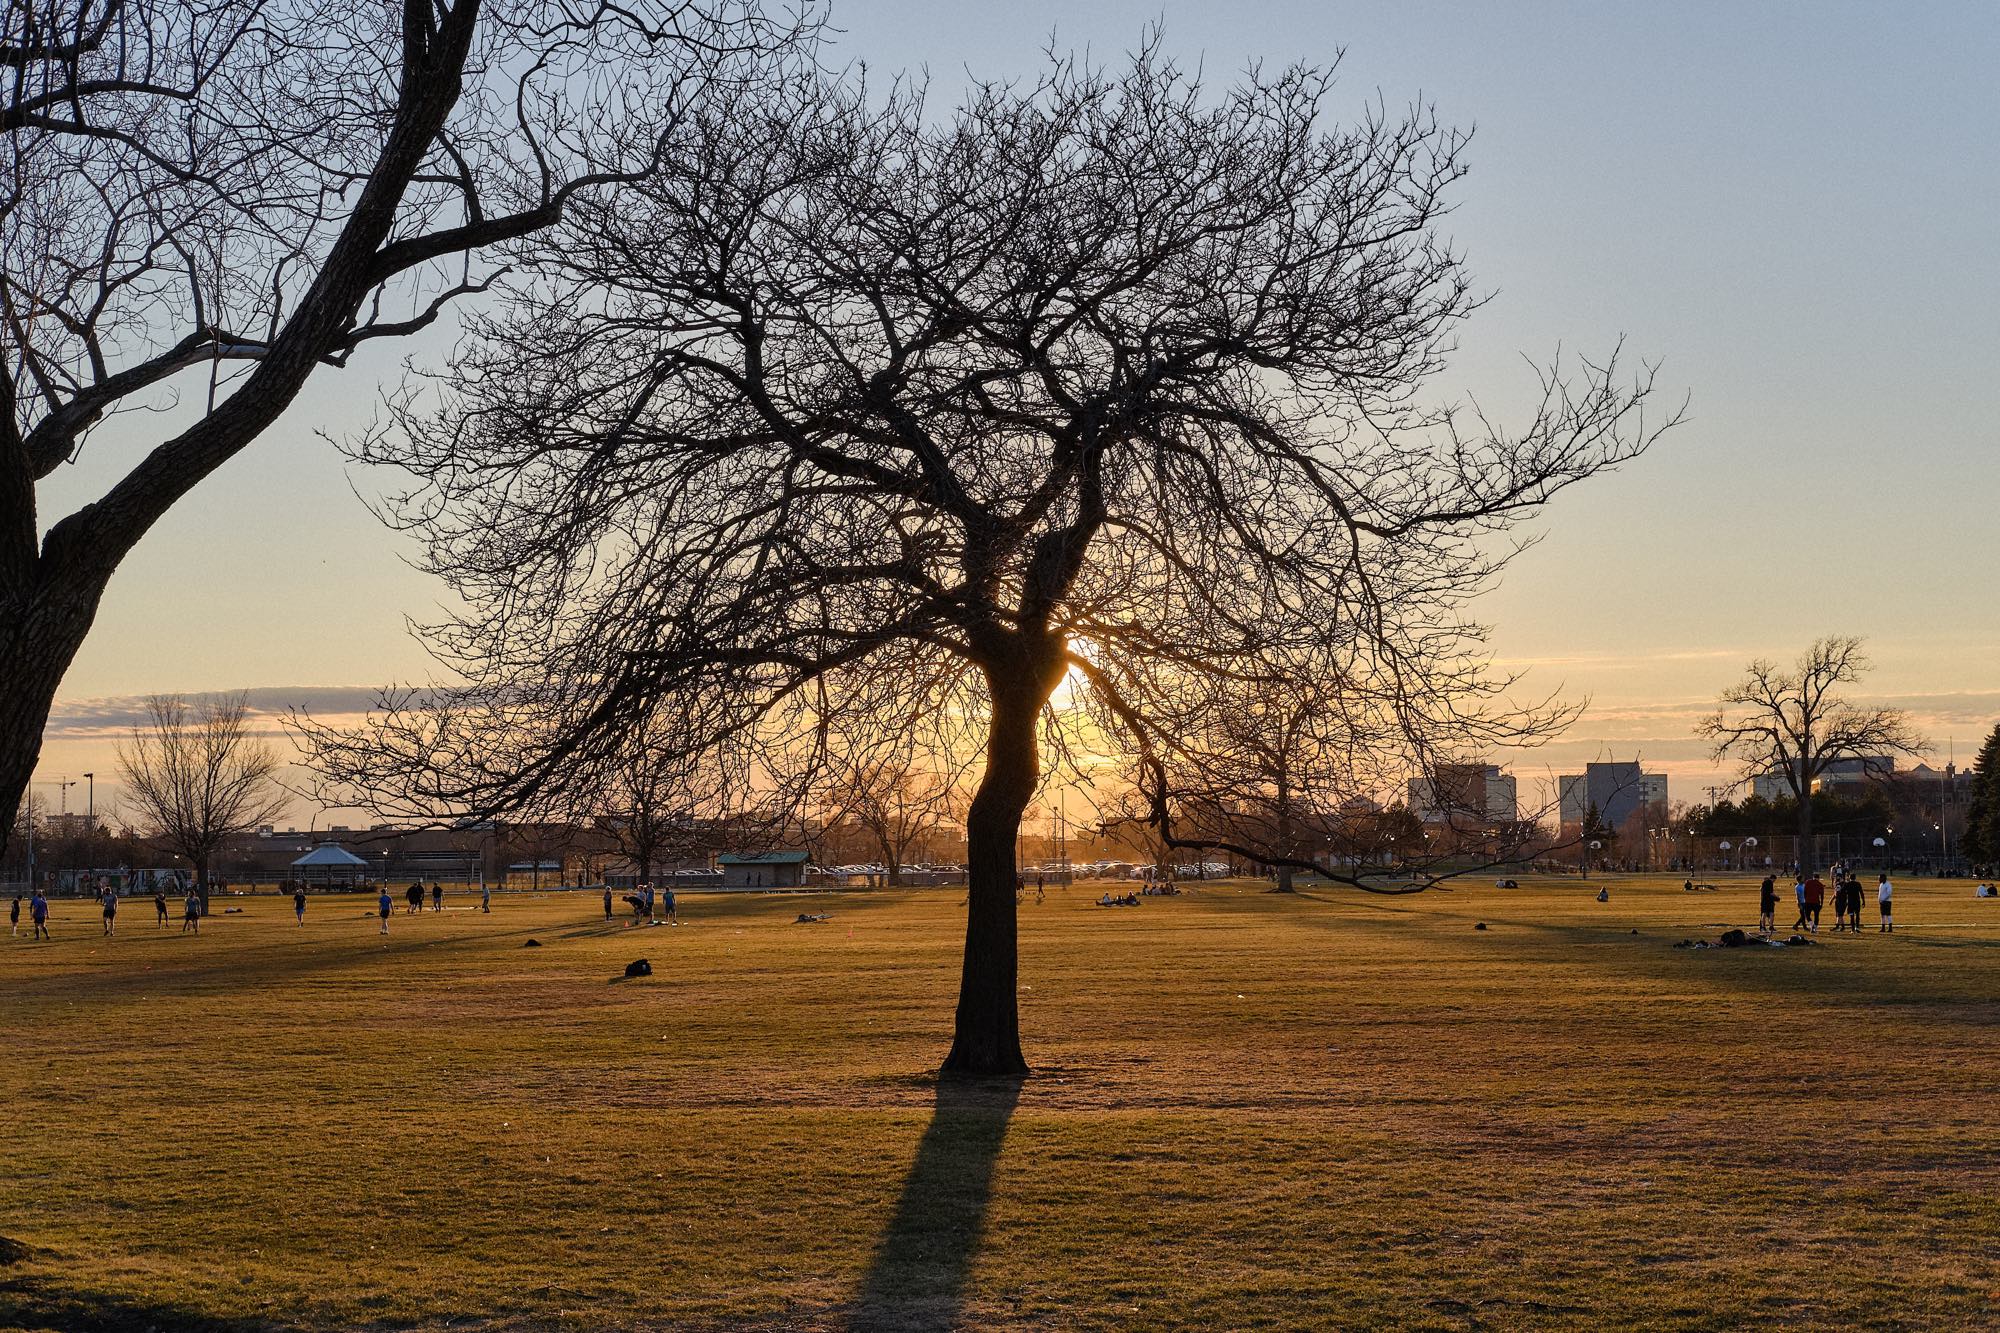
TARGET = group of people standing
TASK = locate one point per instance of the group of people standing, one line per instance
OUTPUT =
(1810, 893)
(647, 904)
(107, 901)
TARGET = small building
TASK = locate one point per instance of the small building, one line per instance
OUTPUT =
(330, 865)
(762, 870)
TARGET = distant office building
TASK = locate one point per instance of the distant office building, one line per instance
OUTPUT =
(1573, 798)
(1458, 792)
(1771, 787)
(1618, 791)
(1851, 773)
(68, 826)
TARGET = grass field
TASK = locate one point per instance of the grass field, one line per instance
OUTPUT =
(1249, 1112)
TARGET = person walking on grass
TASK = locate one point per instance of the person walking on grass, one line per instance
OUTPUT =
(1883, 893)
(437, 897)
(14, 916)
(1767, 905)
(1853, 903)
(486, 899)
(38, 914)
(299, 903)
(607, 902)
(1815, 899)
(110, 904)
(1799, 892)
(384, 906)
(672, 908)
(191, 913)
(415, 898)
(160, 908)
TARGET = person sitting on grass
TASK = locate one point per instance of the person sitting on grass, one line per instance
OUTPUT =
(1767, 905)
(191, 913)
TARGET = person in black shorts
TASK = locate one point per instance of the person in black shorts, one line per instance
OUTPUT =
(110, 902)
(415, 898)
(191, 913)
(159, 907)
(437, 897)
(299, 903)
(607, 902)
(1767, 905)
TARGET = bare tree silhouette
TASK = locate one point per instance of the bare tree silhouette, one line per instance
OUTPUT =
(855, 415)
(1795, 722)
(196, 775)
(205, 203)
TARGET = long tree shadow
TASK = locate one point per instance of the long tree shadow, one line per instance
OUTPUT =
(917, 1278)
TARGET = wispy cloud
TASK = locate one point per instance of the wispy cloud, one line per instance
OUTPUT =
(115, 715)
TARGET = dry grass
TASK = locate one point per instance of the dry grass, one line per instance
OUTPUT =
(1251, 1112)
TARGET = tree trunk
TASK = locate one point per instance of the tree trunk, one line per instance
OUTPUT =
(40, 630)
(1806, 857)
(987, 1035)
(892, 863)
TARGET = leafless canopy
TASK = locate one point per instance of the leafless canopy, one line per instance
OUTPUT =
(1795, 722)
(854, 415)
(204, 201)
(196, 774)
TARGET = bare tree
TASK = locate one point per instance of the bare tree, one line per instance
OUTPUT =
(896, 801)
(854, 415)
(659, 802)
(1797, 723)
(1283, 760)
(196, 775)
(205, 202)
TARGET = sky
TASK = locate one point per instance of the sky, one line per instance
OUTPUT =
(1791, 208)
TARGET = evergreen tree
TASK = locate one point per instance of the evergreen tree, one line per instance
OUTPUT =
(1982, 817)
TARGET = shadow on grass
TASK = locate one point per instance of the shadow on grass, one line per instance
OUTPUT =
(29, 1302)
(1833, 969)
(917, 1279)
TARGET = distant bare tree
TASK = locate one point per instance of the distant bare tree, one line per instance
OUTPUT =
(897, 801)
(1283, 761)
(659, 802)
(204, 201)
(1795, 722)
(196, 775)
(855, 415)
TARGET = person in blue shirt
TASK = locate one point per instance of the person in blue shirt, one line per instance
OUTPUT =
(385, 905)
(299, 903)
(672, 908)
(38, 912)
